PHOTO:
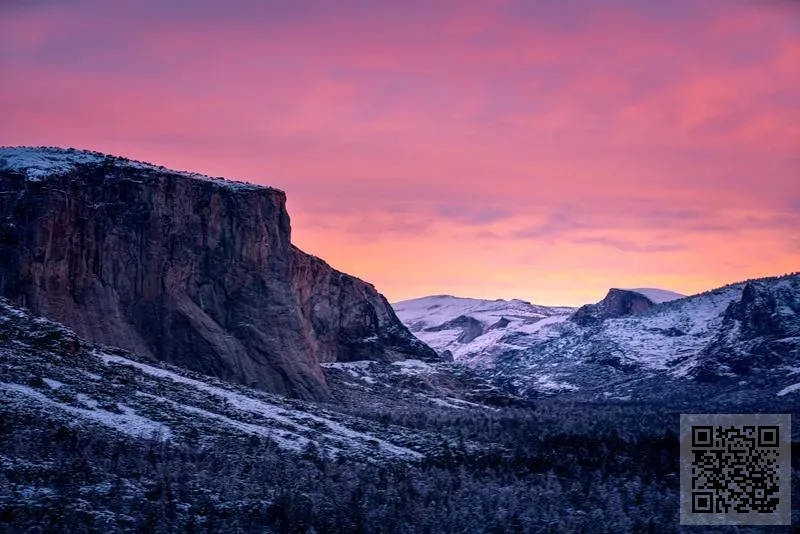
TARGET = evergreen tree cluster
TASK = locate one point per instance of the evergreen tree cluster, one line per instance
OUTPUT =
(556, 468)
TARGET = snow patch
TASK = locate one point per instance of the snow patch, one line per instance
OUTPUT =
(54, 384)
(269, 411)
(413, 367)
(128, 422)
(789, 389)
(39, 163)
(549, 383)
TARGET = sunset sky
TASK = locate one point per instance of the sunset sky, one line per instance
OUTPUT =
(545, 150)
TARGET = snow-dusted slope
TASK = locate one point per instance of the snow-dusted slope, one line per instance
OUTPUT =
(46, 368)
(731, 337)
(434, 310)
(474, 329)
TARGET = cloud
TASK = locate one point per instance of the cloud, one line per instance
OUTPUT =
(428, 129)
(472, 214)
(629, 246)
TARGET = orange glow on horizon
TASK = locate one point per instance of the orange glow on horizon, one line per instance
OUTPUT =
(500, 149)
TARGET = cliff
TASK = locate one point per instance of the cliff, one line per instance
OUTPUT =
(196, 271)
(617, 303)
(759, 331)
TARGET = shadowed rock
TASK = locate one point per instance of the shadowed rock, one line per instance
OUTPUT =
(191, 270)
(617, 303)
(470, 328)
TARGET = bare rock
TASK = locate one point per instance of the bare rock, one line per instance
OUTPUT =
(617, 303)
(183, 268)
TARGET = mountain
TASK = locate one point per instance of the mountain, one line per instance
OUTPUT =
(183, 268)
(622, 302)
(96, 439)
(739, 340)
(473, 329)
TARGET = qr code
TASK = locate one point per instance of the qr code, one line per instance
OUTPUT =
(735, 469)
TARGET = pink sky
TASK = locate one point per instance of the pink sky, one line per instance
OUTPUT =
(544, 150)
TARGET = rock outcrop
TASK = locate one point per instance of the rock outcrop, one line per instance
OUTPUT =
(617, 303)
(346, 319)
(760, 331)
(469, 326)
(191, 270)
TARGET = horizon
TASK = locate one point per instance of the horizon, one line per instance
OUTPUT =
(542, 152)
(393, 302)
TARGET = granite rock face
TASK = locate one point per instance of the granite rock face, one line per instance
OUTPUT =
(345, 319)
(195, 271)
(617, 303)
(760, 331)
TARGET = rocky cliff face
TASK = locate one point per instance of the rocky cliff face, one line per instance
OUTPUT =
(617, 303)
(195, 271)
(759, 332)
(346, 319)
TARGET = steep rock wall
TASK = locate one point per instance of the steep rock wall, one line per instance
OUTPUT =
(194, 271)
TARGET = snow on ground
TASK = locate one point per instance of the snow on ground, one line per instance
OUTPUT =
(37, 163)
(54, 384)
(523, 317)
(678, 328)
(349, 367)
(300, 421)
(694, 321)
(517, 335)
(431, 311)
(360, 369)
(127, 422)
(284, 439)
(550, 383)
(532, 328)
(443, 403)
(87, 400)
(413, 367)
(789, 389)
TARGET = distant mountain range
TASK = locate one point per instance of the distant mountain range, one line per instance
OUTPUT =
(741, 339)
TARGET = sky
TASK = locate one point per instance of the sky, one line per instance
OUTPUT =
(538, 149)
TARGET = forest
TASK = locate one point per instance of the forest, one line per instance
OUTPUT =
(548, 467)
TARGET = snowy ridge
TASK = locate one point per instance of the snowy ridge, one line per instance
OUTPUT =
(486, 329)
(39, 163)
(718, 335)
(431, 311)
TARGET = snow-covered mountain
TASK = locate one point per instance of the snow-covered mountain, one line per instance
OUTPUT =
(470, 329)
(633, 344)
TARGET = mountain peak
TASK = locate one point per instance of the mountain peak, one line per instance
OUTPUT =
(617, 303)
